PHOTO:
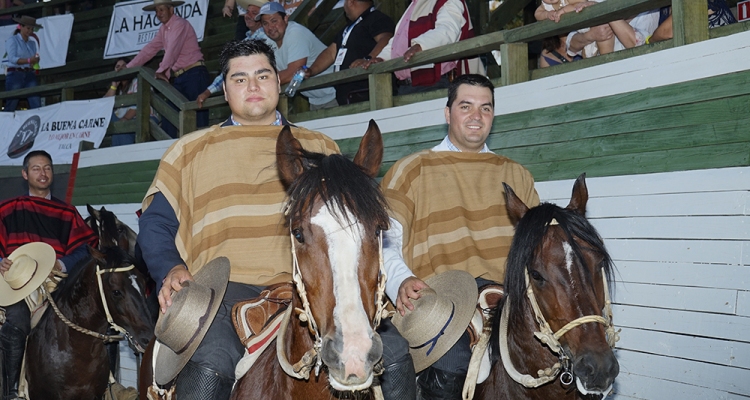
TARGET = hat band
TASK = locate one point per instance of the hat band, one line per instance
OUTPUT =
(24, 280)
(433, 341)
(201, 321)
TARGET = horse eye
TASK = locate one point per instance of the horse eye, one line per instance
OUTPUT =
(536, 276)
(117, 293)
(298, 235)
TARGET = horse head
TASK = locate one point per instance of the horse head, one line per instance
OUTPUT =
(557, 272)
(111, 231)
(123, 289)
(335, 215)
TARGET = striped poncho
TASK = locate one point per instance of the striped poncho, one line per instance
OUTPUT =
(27, 219)
(452, 209)
(224, 188)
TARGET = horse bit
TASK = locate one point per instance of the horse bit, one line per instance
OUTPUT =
(301, 369)
(124, 334)
(551, 339)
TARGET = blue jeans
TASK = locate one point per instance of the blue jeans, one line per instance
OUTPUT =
(20, 80)
(191, 83)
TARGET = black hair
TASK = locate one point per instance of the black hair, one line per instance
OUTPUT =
(241, 48)
(469, 79)
(34, 154)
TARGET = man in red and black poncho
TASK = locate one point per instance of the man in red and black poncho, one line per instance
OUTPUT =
(36, 217)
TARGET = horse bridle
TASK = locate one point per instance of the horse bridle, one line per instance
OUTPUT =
(301, 369)
(552, 339)
(124, 334)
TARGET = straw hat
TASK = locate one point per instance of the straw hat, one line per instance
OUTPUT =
(27, 21)
(439, 318)
(247, 3)
(181, 329)
(32, 263)
(152, 7)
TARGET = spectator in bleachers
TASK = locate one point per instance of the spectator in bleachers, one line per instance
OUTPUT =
(7, 19)
(227, 11)
(554, 9)
(553, 52)
(23, 53)
(297, 47)
(628, 33)
(427, 24)
(127, 86)
(368, 31)
(719, 14)
(254, 31)
(182, 57)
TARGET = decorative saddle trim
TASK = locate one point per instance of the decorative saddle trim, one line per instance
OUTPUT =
(257, 322)
(479, 333)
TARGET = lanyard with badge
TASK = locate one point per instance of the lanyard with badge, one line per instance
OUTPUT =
(342, 51)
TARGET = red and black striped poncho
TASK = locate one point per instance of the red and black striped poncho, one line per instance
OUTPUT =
(27, 219)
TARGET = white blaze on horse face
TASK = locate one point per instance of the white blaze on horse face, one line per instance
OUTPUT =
(569, 266)
(134, 281)
(352, 323)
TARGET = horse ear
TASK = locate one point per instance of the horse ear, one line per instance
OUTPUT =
(580, 196)
(515, 206)
(92, 212)
(288, 156)
(370, 153)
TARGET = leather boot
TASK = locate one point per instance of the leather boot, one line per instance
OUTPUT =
(435, 384)
(12, 345)
(398, 380)
(196, 382)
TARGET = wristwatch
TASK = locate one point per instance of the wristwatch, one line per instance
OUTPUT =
(367, 57)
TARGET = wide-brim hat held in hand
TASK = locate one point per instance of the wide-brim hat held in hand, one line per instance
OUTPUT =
(181, 329)
(152, 7)
(440, 316)
(32, 264)
(27, 21)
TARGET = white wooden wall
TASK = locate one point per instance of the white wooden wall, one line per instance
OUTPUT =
(681, 244)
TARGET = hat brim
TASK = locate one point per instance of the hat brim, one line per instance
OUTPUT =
(247, 3)
(214, 275)
(152, 7)
(461, 288)
(45, 257)
(20, 21)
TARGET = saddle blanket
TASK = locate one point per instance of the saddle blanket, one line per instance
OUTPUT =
(257, 322)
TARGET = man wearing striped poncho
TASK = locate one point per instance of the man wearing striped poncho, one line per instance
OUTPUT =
(448, 213)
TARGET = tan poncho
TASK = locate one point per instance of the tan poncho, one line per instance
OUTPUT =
(452, 209)
(224, 188)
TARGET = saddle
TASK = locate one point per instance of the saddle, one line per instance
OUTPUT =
(257, 322)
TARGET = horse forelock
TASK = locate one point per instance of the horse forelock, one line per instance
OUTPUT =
(341, 185)
(530, 233)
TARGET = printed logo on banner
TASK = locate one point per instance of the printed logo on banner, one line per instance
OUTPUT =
(23, 141)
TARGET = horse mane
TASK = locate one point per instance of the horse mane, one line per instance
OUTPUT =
(113, 257)
(341, 185)
(528, 237)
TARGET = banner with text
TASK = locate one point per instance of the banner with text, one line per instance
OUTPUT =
(56, 129)
(131, 28)
(53, 40)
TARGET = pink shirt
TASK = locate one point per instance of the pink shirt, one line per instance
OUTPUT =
(177, 38)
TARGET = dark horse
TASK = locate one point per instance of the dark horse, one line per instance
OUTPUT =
(336, 213)
(111, 231)
(65, 363)
(556, 293)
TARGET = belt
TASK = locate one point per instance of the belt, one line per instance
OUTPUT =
(182, 71)
(13, 69)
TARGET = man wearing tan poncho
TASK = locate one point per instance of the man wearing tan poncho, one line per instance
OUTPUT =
(448, 213)
(217, 193)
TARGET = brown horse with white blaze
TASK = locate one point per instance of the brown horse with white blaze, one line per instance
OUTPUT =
(335, 214)
(556, 317)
